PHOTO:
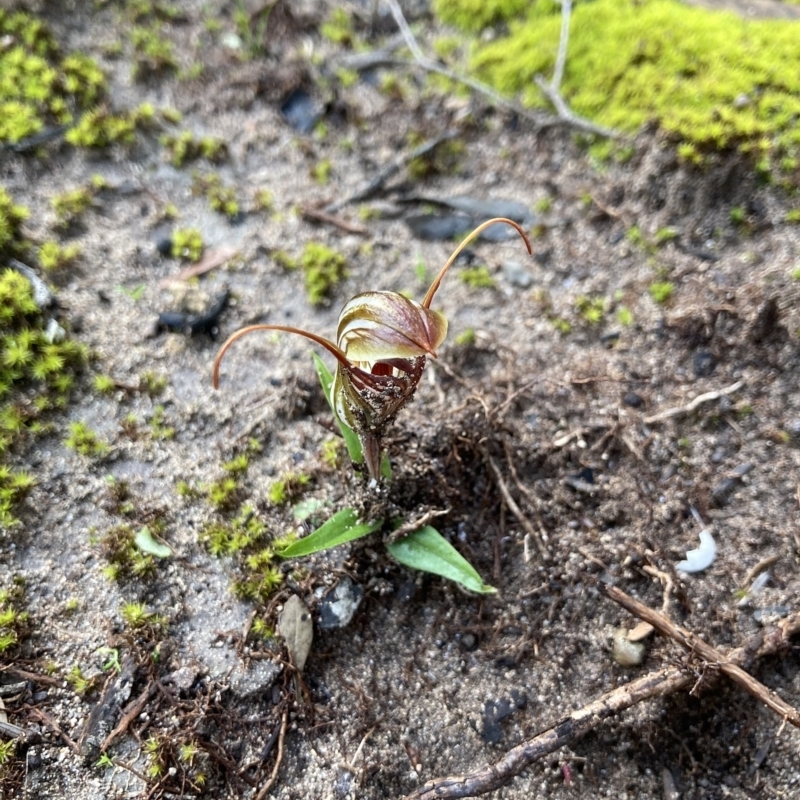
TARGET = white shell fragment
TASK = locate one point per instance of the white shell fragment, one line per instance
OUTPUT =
(701, 558)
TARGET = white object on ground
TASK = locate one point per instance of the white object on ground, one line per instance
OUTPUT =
(701, 558)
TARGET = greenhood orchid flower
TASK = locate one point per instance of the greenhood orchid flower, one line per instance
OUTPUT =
(382, 341)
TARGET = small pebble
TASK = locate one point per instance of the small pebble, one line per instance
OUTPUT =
(704, 364)
(625, 652)
(516, 274)
(633, 400)
(468, 642)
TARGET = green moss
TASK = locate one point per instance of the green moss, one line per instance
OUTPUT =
(262, 200)
(40, 86)
(138, 616)
(152, 383)
(712, 80)
(70, 206)
(13, 619)
(153, 53)
(11, 218)
(466, 338)
(591, 309)
(54, 257)
(220, 198)
(332, 452)
(445, 159)
(100, 128)
(474, 15)
(661, 291)
(323, 268)
(82, 439)
(624, 316)
(321, 172)
(104, 384)
(338, 28)
(125, 559)
(36, 375)
(187, 243)
(477, 278)
(158, 427)
(288, 487)
(184, 147)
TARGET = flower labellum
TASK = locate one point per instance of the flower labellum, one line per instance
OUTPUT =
(382, 341)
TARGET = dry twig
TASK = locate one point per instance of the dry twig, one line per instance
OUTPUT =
(134, 709)
(679, 411)
(567, 731)
(319, 215)
(696, 645)
(262, 793)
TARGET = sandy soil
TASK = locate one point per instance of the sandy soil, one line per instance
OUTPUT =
(426, 680)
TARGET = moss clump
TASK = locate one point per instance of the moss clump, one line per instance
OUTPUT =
(323, 268)
(474, 15)
(712, 80)
(591, 309)
(38, 85)
(153, 53)
(13, 620)
(288, 487)
(187, 243)
(661, 291)
(247, 540)
(36, 374)
(477, 278)
(70, 206)
(54, 257)
(125, 559)
(220, 198)
(11, 219)
(338, 28)
(82, 439)
(184, 147)
(321, 172)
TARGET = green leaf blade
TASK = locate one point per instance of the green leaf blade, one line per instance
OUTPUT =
(147, 543)
(342, 527)
(351, 440)
(428, 551)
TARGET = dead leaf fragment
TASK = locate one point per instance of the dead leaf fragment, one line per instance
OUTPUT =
(297, 629)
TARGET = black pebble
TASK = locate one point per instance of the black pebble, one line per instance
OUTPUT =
(468, 642)
(633, 400)
(164, 246)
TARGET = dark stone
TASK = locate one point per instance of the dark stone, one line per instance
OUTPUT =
(164, 246)
(633, 400)
(301, 111)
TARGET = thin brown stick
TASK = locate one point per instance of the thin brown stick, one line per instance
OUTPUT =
(49, 722)
(319, 215)
(679, 411)
(211, 260)
(696, 645)
(128, 717)
(514, 508)
(567, 731)
(278, 759)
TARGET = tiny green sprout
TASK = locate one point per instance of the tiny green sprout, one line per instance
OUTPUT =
(80, 684)
(477, 278)
(104, 384)
(152, 383)
(222, 493)
(136, 293)
(795, 274)
(624, 316)
(283, 259)
(137, 616)
(158, 428)
(466, 338)
(792, 216)
(421, 270)
(112, 659)
(738, 215)
(187, 243)
(661, 291)
(592, 309)
(338, 28)
(664, 235)
(323, 269)
(237, 465)
(262, 628)
(560, 324)
(187, 752)
(382, 342)
(104, 762)
(72, 605)
(82, 439)
(331, 449)
(262, 200)
(170, 212)
(635, 236)
(543, 205)
(287, 488)
(185, 489)
(321, 172)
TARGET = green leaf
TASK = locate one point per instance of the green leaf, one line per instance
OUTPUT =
(386, 467)
(340, 528)
(147, 543)
(427, 550)
(351, 439)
